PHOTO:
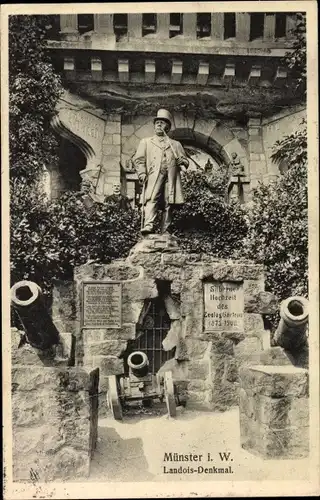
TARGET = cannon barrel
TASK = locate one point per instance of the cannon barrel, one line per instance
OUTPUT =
(138, 363)
(291, 330)
(27, 301)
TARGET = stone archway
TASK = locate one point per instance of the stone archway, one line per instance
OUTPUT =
(77, 121)
(212, 135)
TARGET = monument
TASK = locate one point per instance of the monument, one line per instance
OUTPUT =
(159, 325)
(210, 309)
(158, 162)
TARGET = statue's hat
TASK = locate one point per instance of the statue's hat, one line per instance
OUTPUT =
(163, 114)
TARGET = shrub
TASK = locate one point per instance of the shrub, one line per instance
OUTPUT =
(278, 222)
(49, 239)
(206, 223)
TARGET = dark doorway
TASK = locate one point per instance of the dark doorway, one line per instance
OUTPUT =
(151, 334)
(66, 177)
(281, 25)
(256, 26)
(229, 26)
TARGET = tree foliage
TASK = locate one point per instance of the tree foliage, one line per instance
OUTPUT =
(296, 59)
(34, 89)
(50, 239)
(278, 222)
(206, 222)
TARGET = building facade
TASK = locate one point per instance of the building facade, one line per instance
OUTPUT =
(221, 75)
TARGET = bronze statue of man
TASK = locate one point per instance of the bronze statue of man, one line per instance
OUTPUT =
(158, 162)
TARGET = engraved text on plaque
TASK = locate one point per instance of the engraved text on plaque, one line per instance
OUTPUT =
(223, 306)
(101, 305)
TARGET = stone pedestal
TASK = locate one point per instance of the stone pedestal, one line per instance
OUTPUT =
(102, 345)
(155, 243)
(205, 362)
(54, 416)
(274, 411)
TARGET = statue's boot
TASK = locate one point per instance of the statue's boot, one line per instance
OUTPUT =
(147, 230)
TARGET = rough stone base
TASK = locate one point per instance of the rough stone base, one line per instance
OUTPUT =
(55, 421)
(155, 243)
(206, 363)
(274, 411)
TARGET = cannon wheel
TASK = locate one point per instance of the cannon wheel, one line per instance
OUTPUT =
(169, 394)
(113, 398)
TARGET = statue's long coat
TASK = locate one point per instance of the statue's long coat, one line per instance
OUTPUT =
(148, 159)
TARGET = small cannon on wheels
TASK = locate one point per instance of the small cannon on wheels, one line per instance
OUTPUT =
(142, 386)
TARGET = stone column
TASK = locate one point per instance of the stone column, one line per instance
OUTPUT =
(217, 26)
(103, 24)
(56, 183)
(242, 26)
(190, 25)
(269, 27)
(163, 24)
(111, 152)
(103, 32)
(257, 159)
(274, 411)
(291, 23)
(134, 25)
(69, 26)
(69, 23)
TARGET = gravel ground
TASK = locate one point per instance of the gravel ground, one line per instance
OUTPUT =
(133, 449)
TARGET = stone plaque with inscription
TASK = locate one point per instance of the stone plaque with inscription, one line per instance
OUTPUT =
(223, 306)
(101, 305)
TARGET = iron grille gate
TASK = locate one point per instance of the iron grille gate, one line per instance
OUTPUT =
(153, 331)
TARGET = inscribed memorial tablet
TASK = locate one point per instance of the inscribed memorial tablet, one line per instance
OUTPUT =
(101, 305)
(223, 307)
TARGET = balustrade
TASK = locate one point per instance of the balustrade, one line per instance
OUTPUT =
(241, 26)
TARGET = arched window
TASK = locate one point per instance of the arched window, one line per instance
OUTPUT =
(229, 25)
(120, 25)
(176, 24)
(256, 26)
(85, 23)
(281, 25)
(149, 24)
(199, 158)
(203, 24)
